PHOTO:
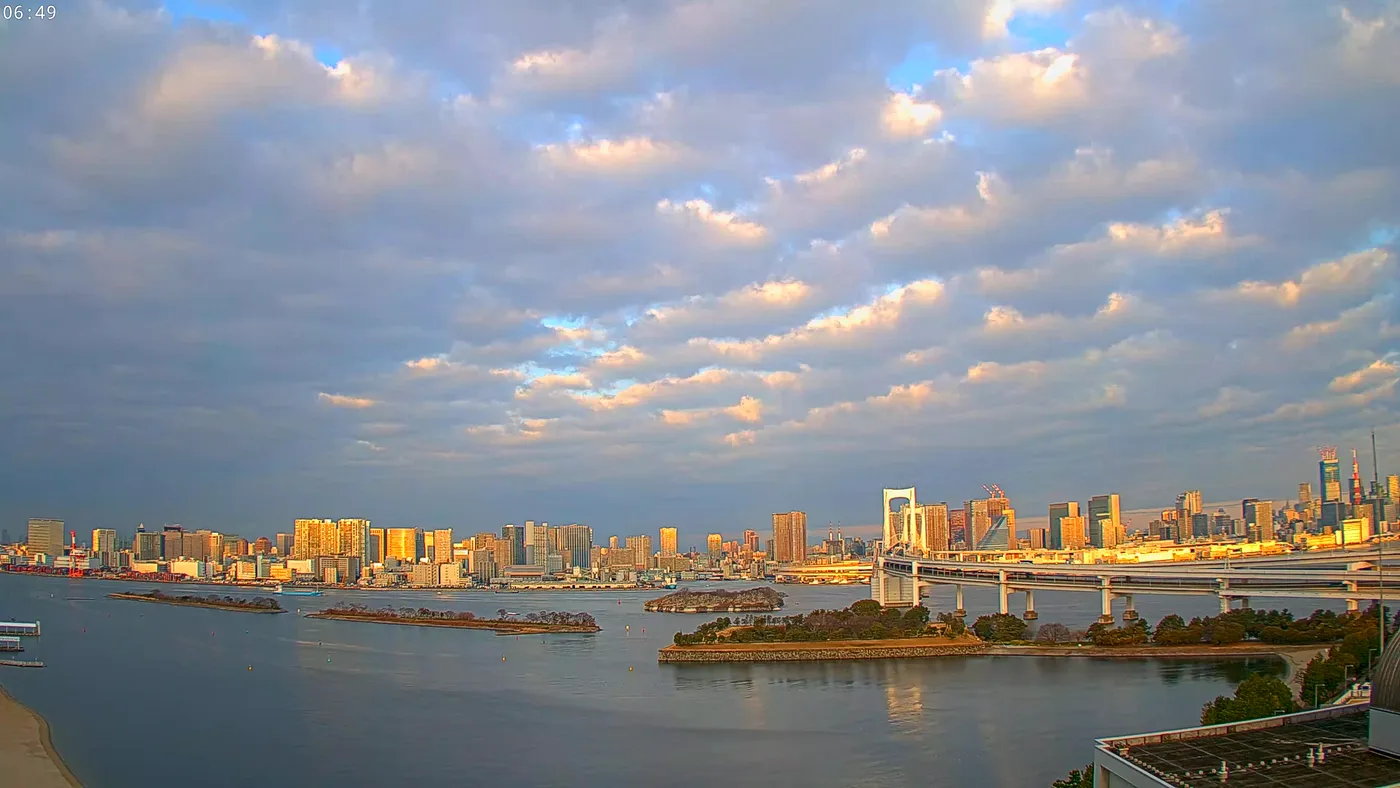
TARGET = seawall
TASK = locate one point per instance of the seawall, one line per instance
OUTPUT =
(803, 652)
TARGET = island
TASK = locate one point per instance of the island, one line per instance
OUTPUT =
(256, 604)
(751, 600)
(505, 623)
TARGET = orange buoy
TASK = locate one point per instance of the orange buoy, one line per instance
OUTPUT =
(503, 659)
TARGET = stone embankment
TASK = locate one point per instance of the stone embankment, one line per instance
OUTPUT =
(819, 652)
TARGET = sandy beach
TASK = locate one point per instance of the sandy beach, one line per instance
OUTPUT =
(27, 756)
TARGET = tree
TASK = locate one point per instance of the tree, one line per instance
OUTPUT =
(867, 607)
(915, 619)
(1255, 697)
(955, 624)
(1077, 779)
(1053, 632)
(999, 627)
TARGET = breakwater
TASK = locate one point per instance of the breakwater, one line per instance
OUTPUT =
(819, 652)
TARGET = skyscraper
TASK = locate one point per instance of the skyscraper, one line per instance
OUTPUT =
(668, 542)
(442, 546)
(1072, 532)
(641, 550)
(936, 534)
(353, 539)
(790, 537)
(403, 544)
(515, 536)
(45, 536)
(1259, 520)
(715, 543)
(978, 516)
(1059, 511)
(146, 545)
(1392, 487)
(284, 545)
(575, 542)
(751, 540)
(104, 546)
(172, 542)
(307, 540)
(1105, 520)
(1330, 473)
(378, 542)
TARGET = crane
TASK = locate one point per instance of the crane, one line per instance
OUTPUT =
(74, 553)
(994, 491)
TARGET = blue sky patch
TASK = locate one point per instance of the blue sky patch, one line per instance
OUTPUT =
(185, 10)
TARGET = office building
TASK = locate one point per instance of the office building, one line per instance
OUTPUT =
(378, 541)
(1330, 475)
(1002, 533)
(1259, 519)
(104, 546)
(503, 552)
(612, 542)
(146, 545)
(1105, 521)
(977, 514)
(668, 542)
(283, 542)
(481, 563)
(514, 535)
(307, 538)
(1038, 538)
(575, 542)
(751, 540)
(404, 545)
(45, 536)
(790, 537)
(172, 542)
(641, 550)
(354, 539)
(715, 543)
(1392, 487)
(442, 546)
(1072, 533)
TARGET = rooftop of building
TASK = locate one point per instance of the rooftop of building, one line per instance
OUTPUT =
(1266, 753)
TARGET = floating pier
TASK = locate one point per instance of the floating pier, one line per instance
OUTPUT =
(10, 644)
(19, 629)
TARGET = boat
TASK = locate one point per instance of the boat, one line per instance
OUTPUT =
(280, 589)
(507, 590)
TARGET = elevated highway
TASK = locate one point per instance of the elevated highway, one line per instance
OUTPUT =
(1354, 576)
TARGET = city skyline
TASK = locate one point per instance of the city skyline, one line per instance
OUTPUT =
(559, 263)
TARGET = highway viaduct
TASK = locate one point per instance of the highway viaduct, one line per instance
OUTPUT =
(1354, 576)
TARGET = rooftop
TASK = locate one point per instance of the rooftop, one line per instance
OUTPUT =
(1265, 753)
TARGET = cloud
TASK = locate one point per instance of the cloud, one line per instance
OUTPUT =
(533, 258)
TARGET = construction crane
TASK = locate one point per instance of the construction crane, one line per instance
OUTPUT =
(993, 491)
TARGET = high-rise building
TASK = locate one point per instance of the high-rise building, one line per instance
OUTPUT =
(1305, 492)
(715, 543)
(641, 550)
(575, 542)
(1002, 533)
(1072, 532)
(937, 537)
(668, 542)
(790, 537)
(404, 544)
(1059, 511)
(172, 541)
(104, 546)
(612, 542)
(1038, 538)
(515, 537)
(262, 546)
(442, 546)
(751, 540)
(378, 543)
(978, 516)
(307, 540)
(1105, 520)
(1392, 487)
(1259, 519)
(353, 539)
(146, 545)
(45, 536)
(1330, 474)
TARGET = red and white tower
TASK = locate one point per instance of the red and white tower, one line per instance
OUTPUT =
(1356, 493)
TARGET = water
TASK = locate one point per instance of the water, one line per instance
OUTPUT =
(141, 695)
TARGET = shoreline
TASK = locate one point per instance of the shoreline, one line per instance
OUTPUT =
(192, 603)
(1293, 657)
(490, 625)
(28, 754)
(372, 589)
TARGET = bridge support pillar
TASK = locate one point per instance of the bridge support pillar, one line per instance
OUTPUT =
(1105, 602)
(892, 590)
(1352, 604)
(1030, 615)
(1131, 613)
(1003, 591)
(1224, 604)
(960, 612)
(1224, 600)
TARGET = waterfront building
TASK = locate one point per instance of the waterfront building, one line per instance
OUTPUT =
(1105, 520)
(481, 563)
(172, 542)
(668, 542)
(146, 545)
(575, 542)
(345, 568)
(353, 539)
(45, 536)
(404, 544)
(104, 546)
(790, 537)
(442, 546)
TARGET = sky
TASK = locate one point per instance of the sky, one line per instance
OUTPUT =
(688, 262)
